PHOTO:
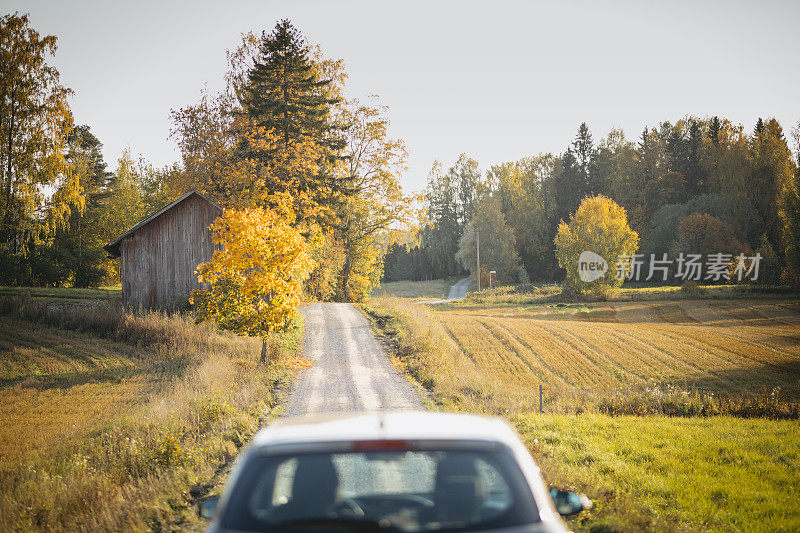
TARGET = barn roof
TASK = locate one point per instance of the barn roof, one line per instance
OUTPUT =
(113, 247)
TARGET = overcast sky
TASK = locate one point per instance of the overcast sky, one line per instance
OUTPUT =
(496, 80)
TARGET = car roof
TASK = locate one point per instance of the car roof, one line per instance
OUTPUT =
(385, 425)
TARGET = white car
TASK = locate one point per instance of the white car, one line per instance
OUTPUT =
(388, 471)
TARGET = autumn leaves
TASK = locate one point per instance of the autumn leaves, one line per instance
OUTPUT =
(308, 182)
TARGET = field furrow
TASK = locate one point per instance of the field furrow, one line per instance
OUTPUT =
(641, 361)
(528, 352)
(526, 357)
(731, 346)
(502, 356)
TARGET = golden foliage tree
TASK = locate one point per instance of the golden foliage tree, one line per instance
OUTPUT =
(375, 161)
(38, 186)
(329, 256)
(254, 280)
(600, 226)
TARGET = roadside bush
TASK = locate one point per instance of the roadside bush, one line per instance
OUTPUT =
(669, 401)
(692, 289)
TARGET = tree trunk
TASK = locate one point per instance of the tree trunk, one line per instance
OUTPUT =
(8, 234)
(346, 270)
(9, 152)
(264, 351)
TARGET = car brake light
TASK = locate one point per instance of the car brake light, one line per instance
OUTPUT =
(381, 445)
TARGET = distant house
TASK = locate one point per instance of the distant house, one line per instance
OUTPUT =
(159, 255)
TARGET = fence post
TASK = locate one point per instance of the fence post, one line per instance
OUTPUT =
(541, 402)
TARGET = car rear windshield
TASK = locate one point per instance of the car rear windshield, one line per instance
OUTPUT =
(408, 491)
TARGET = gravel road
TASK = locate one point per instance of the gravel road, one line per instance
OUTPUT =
(350, 370)
(459, 290)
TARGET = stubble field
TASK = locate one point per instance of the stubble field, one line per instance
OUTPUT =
(726, 346)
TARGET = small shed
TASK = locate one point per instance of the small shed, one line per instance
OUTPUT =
(159, 255)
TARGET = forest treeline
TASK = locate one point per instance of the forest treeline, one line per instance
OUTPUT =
(702, 184)
(280, 140)
(59, 203)
(281, 136)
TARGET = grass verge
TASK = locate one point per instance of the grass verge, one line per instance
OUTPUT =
(419, 290)
(666, 474)
(62, 293)
(549, 293)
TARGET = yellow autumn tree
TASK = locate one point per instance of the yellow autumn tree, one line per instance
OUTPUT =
(599, 226)
(375, 162)
(39, 186)
(254, 279)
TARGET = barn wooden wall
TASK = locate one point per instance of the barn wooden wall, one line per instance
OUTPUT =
(158, 261)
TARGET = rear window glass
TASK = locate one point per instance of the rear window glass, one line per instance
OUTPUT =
(407, 491)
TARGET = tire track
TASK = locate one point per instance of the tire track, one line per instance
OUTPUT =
(350, 371)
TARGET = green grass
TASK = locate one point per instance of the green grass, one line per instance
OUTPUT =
(418, 290)
(658, 473)
(64, 293)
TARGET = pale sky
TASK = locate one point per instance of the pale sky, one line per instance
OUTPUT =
(496, 80)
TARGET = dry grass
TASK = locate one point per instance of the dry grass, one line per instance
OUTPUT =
(123, 423)
(33, 418)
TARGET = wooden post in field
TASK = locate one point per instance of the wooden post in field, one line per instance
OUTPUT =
(478, 256)
(541, 400)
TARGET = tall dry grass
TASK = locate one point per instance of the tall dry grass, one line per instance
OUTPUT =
(108, 319)
(145, 468)
(433, 358)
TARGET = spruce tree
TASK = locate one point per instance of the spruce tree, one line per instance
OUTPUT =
(284, 94)
(583, 149)
(695, 172)
(569, 187)
(714, 129)
(677, 149)
(771, 173)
